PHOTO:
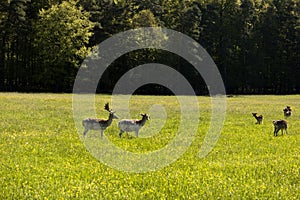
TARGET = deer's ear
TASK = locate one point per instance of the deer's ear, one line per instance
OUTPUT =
(106, 107)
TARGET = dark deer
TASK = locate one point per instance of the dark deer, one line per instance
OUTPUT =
(99, 124)
(258, 118)
(287, 112)
(280, 125)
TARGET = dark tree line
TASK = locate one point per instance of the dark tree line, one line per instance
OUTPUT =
(255, 43)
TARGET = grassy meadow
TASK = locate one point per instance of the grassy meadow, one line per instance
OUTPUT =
(42, 156)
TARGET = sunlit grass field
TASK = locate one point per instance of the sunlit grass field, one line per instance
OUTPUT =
(42, 156)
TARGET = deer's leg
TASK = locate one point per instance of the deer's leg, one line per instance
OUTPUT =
(136, 133)
(275, 132)
(85, 132)
(120, 134)
(101, 133)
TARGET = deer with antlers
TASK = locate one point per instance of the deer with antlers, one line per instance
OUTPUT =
(99, 124)
(258, 118)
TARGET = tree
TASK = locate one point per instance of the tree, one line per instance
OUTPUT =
(14, 40)
(278, 46)
(288, 44)
(143, 18)
(255, 43)
(221, 30)
(3, 21)
(62, 34)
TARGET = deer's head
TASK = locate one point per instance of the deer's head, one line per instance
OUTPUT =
(111, 112)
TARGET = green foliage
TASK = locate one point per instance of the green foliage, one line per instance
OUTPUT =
(64, 29)
(42, 157)
(144, 18)
(62, 35)
(254, 43)
(15, 45)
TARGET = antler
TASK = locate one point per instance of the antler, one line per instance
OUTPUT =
(106, 107)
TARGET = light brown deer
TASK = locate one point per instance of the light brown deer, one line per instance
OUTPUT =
(258, 118)
(280, 125)
(130, 125)
(287, 112)
(99, 124)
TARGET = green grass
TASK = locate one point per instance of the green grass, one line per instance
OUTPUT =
(42, 155)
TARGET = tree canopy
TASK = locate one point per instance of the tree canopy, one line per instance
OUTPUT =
(255, 43)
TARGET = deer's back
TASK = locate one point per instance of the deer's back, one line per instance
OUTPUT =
(94, 124)
(128, 125)
(280, 124)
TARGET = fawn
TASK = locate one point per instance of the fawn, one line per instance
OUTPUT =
(258, 118)
(280, 125)
(287, 112)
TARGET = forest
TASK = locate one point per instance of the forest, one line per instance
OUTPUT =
(254, 43)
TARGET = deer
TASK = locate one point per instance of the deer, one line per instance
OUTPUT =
(287, 112)
(258, 118)
(99, 124)
(132, 125)
(280, 125)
